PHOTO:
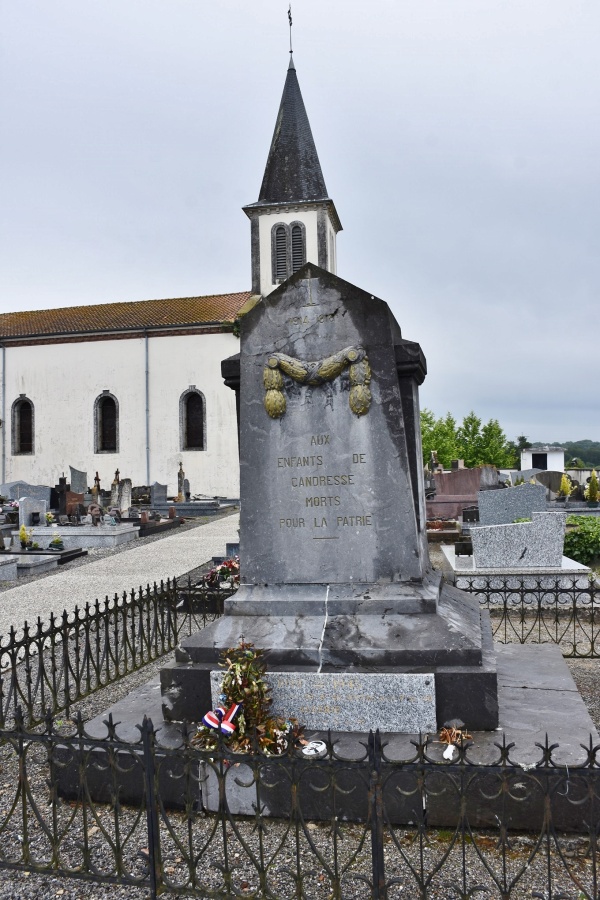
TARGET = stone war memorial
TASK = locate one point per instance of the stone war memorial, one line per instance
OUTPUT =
(336, 581)
(336, 586)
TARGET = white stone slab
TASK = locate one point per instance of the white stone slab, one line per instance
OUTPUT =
(351, 701)
(85, 536)
(466, 573)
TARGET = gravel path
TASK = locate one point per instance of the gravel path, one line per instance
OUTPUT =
(106, 572)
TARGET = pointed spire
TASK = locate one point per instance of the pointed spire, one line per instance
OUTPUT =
(293, 172)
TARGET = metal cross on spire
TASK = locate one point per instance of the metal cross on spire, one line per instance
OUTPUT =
(290, 21)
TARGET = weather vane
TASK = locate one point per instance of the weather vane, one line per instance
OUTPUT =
(290, 21)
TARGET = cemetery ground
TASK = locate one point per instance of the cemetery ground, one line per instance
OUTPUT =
(352, 845)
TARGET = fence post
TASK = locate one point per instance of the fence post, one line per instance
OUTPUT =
(148, 748)
(376, 815)
(66, 662)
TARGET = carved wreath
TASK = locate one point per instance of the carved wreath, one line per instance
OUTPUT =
(317, 373)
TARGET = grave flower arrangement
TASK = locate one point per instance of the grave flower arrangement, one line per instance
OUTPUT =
(49, 518)
(227, 571)
(245, 714)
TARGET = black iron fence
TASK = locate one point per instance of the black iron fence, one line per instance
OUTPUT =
(49, 667)
(539, 609)
(371, 823)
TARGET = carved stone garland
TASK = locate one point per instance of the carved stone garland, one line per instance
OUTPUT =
(317, 373)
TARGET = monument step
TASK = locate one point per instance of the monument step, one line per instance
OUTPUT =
(404, 598)
(327, 696)
(537, 698)
(450, 637)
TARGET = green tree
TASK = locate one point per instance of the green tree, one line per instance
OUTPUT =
(438, 435)
(469, 439)
(476, 444)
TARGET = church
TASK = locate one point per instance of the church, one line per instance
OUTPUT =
(137, 386)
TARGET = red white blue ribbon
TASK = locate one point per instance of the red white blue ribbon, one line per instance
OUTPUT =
(220, 718)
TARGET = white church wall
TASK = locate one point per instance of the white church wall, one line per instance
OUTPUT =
(63, 381)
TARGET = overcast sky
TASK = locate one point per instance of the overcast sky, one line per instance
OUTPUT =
(459, 139)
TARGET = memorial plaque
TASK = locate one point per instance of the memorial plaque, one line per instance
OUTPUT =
(324, 463)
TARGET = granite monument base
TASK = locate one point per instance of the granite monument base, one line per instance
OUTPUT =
(429, 629)
(537, 698)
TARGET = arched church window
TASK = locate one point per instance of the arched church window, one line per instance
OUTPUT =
(298, 246)
(281, 253)
(192, 420)
(22, 426)
(106, 423)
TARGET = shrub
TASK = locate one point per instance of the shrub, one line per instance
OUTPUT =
(583, 542)
(591, 491)
(565, 487)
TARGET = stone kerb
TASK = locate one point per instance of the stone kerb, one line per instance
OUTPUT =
(504, 506)
(521, 545)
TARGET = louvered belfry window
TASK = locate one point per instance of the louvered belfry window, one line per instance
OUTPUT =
(298, 253)
(281, 272)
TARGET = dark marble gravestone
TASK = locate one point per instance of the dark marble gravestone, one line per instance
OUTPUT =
(335, 572)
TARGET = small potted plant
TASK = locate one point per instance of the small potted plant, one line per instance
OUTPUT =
(564, 490)
(49, 519)
(56, 543)
(25, 536)
(591, 491)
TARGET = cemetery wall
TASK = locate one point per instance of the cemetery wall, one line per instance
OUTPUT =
(63, 380)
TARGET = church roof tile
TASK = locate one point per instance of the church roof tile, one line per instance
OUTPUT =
(140, 314)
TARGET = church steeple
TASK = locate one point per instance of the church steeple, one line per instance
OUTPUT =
(294, 220)
(293, 171)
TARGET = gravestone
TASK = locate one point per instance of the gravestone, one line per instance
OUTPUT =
(550, 480)
(74, 503)
(524, 545)
(186, 489)
(79, 482)
(335, 571)
(503, 507)
(114, 491)
(158, 494)
(61, 491)
(16, 489)
(124, 495)
(27, 507)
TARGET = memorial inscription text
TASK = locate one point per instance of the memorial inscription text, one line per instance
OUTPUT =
(337, 509)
